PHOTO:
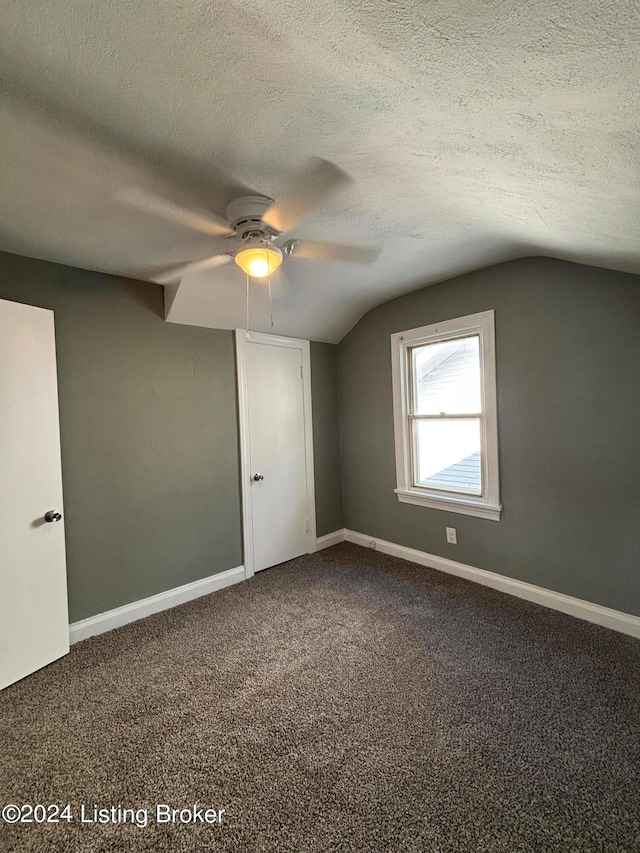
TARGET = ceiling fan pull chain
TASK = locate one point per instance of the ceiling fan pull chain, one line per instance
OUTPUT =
(246, 334)
(270, 303)
(266, 251)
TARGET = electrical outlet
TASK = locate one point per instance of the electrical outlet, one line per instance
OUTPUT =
(372, 543)
(452, 536)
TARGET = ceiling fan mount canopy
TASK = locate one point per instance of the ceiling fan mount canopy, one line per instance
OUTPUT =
(244, 215)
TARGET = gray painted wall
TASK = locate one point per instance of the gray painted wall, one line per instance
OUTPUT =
(326, 438)
(568, 355)
(149, 436)
(149, 432)
(148, 423)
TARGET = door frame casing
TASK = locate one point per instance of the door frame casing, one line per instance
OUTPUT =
(245, 443)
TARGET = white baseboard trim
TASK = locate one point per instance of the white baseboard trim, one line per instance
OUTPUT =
(625, 623)
(154, 604)
(330, 539)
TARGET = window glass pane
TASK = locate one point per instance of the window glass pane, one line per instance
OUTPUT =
(448, 455)
(446, 377)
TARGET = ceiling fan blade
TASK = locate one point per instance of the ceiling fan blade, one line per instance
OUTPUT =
(308, 189)
(176, 274)
(207, 224)
(318, 251)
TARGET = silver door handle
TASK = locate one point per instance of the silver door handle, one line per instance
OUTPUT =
(53, 515)
(258, 477)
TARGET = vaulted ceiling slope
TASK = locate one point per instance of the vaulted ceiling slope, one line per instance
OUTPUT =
(475, 132)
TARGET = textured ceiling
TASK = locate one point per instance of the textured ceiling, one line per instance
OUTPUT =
(475, 132)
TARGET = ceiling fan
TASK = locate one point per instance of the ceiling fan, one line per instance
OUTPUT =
(254, 232)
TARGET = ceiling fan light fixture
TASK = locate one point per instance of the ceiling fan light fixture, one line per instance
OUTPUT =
(259, 261)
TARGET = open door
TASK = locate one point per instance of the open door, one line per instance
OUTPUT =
(34, 620)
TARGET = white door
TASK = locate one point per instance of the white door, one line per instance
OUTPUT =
(277, 467)
(34, 621)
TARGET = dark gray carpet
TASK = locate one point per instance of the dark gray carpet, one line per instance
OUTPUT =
(343, 701)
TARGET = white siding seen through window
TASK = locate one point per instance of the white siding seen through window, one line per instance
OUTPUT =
(446, 415)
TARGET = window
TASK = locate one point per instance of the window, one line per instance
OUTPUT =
(444, 397)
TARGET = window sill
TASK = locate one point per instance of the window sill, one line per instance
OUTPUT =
(463, 506)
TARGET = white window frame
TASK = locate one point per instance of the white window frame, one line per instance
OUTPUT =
(487, 505)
